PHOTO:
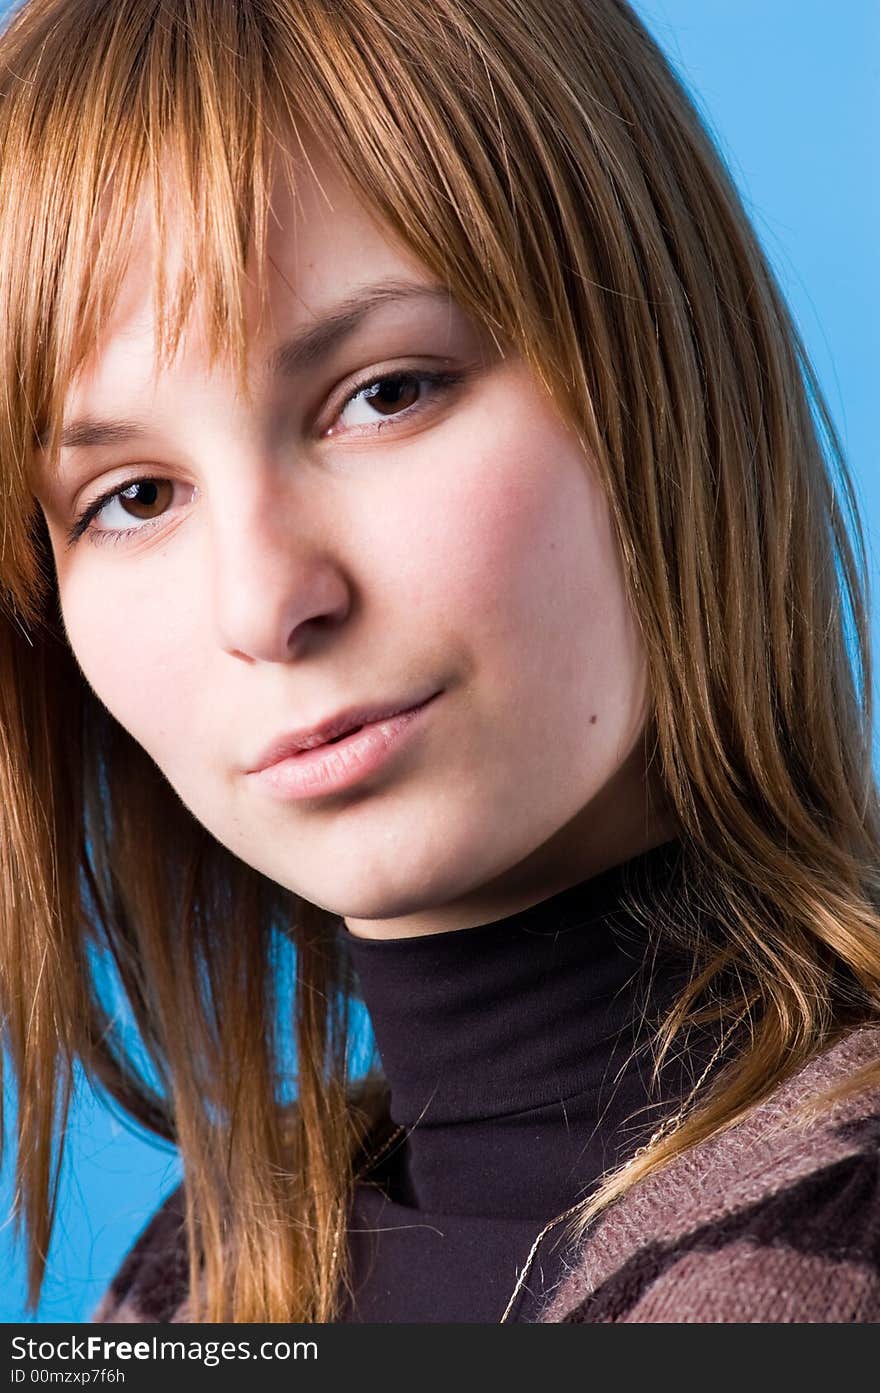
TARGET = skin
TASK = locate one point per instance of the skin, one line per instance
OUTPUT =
(307, 557)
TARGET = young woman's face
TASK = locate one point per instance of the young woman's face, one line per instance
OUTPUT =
(334, 545)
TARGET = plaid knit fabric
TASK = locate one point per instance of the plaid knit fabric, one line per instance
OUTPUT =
(776, 1220)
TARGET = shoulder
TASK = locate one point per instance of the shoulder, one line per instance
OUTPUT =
(153, 1280)
(152, 1283)
(777, 1219)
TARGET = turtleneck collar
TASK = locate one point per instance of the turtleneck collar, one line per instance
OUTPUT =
(522, 1020)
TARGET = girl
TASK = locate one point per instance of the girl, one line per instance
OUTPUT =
(419, 549)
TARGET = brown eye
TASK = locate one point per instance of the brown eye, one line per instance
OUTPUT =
(392, 394)
(141, 499)
(141, 502)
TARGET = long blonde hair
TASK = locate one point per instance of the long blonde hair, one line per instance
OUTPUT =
(557, 179)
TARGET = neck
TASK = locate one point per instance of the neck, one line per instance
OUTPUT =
(519, 1033)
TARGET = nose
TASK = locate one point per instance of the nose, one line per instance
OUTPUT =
(278, 585)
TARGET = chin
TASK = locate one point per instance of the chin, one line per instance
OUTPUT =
(381, 894)
(374, 905)
(380, 872)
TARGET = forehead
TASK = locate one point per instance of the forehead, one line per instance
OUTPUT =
(322, 248)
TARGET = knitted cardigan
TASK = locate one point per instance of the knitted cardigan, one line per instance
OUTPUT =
(776, 1219)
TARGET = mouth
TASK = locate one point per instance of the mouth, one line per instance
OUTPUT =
(332, 731)
(336, 738)
(343, 759)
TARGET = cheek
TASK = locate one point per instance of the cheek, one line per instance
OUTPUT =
(135, 652)
(508, 545)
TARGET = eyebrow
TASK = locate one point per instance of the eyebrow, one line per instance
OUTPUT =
(303, 350)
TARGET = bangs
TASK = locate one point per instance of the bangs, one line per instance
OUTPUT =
(192, 104)
(140, 116)
(89, 131)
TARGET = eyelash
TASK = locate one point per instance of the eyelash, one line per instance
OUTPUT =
(438, 381)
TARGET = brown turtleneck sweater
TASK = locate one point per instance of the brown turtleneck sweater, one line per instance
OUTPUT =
(511, 1051)
(511, 1054)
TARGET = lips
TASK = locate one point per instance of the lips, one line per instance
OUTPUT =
(333, 730)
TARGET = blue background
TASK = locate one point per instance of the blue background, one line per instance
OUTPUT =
(791, 91)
